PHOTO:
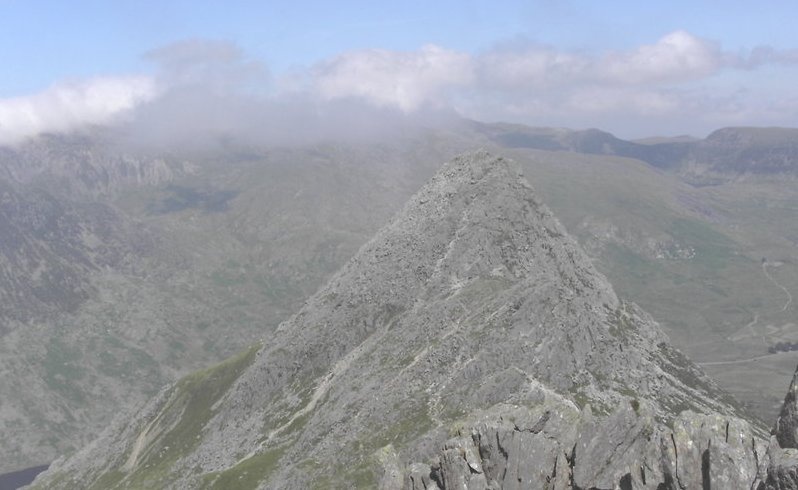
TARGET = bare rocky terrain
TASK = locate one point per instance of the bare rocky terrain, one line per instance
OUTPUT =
(124, 270)
(468, 335)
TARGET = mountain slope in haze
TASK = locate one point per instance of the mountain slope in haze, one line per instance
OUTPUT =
(79, 165)
(49, 246)
(57, 257)
(690, 256)
(114, 288)
(472, 310)
(743, 152)
(726, 154)
(252, 232)
(590, 141)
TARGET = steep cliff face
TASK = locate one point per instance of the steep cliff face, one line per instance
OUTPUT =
(470, 323)
(50, 245)
(741, 151)
(104, 300)
(782, 455)
(76, 165)
(522, 449)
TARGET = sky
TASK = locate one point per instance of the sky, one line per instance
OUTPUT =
(629, 67)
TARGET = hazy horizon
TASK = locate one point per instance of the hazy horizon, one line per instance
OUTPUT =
(636, 71)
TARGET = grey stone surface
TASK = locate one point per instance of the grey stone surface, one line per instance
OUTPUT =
(469, 335)
(782, 471)
(782, 452)
(786, 428)
(627, 450)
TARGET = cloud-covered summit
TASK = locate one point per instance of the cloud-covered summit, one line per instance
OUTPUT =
(68, 106)
(676, 84)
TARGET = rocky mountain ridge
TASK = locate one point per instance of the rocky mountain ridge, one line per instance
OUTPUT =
(78, 166)
(113, 291)
(51, 245)
(726, 154)
(472, 315)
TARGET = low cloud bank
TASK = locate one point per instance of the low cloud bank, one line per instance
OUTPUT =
(202, 90)
(69, 106)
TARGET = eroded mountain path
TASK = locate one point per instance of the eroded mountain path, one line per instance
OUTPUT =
(324, 385)
(741, 361)
(778, 285)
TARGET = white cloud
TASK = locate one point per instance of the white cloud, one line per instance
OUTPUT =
(675, 57)
(679, 79)
(66, 107)
(219, 66)
(532, 67)
(212, 87)
(405, 80)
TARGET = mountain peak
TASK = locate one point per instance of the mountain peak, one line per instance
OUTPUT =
(472, 301)
(471, 168)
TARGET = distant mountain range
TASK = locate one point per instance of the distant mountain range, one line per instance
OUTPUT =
(726, 154)
(49, 246)
(122, 270)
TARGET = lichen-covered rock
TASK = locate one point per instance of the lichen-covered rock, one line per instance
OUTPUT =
(782, 471)
(715, 450)
(782, 453)
(526, 446)
(626, 446)
(630, 449)
(419, 477)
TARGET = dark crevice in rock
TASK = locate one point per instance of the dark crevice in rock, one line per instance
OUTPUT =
(727, 432)
(626, 482)
(571, 463)
(676, 462)
(667, 484)
(436, 475)
(501, 448)
(643, 474)
(706, 480)
(535, 429)
(756, 460)
(553, 476)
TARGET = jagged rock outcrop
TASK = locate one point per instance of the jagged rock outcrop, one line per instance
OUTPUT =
(84, 165)
(560, 447)
(782, 471)
(470, 335)
(786, 428)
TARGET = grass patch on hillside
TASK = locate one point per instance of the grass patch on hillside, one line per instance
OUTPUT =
(247, 474)
(185, 415)
(631, 266)
(120, 361)
(359, 472)
(63, 369)
(713, 249)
